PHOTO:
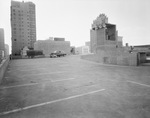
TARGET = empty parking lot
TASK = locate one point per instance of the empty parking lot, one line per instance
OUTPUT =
(70, 87)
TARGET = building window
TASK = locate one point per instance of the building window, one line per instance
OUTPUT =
(15, 39)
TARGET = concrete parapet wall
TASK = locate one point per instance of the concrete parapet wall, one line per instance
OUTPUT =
(92, 57)
(129, 59)
(3, 67)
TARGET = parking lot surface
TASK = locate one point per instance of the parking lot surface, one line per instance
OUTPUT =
(69, 87)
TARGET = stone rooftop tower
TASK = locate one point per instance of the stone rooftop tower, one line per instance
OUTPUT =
(104, 34)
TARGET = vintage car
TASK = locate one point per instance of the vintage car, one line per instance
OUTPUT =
(57, 54)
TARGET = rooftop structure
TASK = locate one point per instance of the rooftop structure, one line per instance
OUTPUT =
(106, 45)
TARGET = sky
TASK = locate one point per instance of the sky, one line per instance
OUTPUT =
(72, 19)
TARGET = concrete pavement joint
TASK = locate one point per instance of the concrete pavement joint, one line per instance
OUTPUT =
(62, 80)
(50, 102)
(23, 85)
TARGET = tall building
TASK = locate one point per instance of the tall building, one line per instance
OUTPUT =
(6, 53)
(23, 26)
(2, 44)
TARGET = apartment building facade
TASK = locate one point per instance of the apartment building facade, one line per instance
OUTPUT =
(23, 26)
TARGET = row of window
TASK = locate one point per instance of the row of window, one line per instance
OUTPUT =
(21, 22)
(29, 26)
(29, 40)
(31, 11)
(29, 36)
(31, 18)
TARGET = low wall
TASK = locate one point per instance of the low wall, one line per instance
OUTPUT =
(127, 59)
(3, 67)
(124, 59)
(26, 57)
(92, 57)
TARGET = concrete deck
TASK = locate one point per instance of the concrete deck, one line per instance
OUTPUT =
(70, 87)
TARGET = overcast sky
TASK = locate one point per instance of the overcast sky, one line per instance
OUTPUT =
(72, 19)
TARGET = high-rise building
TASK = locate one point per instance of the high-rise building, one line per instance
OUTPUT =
(6, 53)
(23, 26)
(2, 44)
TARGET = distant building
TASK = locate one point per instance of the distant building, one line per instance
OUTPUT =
(59, 39)
(6, 50)
(23, 26)
(49, 46)
(88, 43)
(2, 44)
(139, 48)
(82, 50)
(78, 50)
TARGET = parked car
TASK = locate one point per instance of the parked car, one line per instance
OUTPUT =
(57, 54)
(53, 55)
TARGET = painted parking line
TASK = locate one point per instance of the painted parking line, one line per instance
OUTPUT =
(50, 102)
(31, 84)
(133, 82)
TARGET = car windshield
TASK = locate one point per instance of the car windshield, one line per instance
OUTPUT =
(56, 51)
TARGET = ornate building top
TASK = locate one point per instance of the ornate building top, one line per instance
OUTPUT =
(100, 22)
